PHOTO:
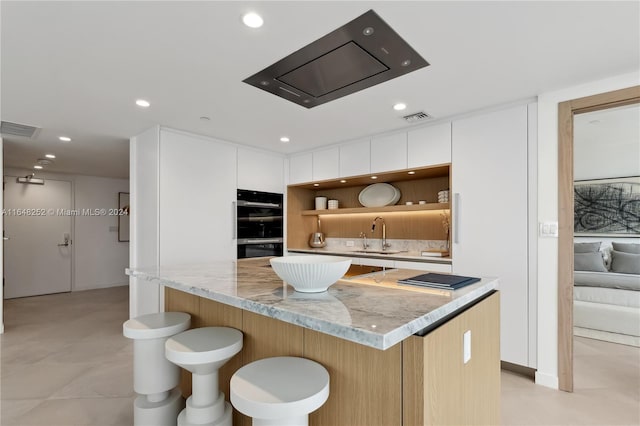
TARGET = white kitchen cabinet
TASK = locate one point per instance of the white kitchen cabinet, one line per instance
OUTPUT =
(355, 158)
(196, 199)
(429, 146)
(424, 266)
(490, 223)
(301, 168)
(260, 171)
(326, 164)
(389, 153)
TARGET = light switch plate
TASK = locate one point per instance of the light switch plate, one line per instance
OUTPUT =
(548, 229)
(466, 346)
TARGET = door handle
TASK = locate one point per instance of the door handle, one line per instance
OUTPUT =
(66, 241)
(5, 238)
(456, 218)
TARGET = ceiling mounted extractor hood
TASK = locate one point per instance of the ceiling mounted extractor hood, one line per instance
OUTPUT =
(360, 54)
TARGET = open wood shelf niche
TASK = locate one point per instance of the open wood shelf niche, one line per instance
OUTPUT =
(413, 222)
(396, 208)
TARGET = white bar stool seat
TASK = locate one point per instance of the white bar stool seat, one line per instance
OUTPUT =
(202, 351)
(280, 391)
(155, 378)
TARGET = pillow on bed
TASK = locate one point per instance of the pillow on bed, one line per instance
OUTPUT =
(586, 247)
(588, 262)
(627, 248)
(625, 263)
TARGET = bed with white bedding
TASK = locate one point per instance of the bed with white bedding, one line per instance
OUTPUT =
(607, 294)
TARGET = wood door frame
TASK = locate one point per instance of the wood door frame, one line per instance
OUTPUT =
(566, 111)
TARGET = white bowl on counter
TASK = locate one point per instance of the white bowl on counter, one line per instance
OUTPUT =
(310, 274)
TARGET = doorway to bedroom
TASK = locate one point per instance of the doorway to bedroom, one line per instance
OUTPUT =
(599, 279)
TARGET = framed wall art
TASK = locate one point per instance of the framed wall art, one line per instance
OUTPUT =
(607, 207)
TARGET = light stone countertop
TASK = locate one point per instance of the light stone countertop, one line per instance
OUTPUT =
(358, 309)
(413, 256)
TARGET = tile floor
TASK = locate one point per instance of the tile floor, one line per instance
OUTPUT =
(64, 362)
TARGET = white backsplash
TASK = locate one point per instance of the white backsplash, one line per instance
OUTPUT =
(374, 243)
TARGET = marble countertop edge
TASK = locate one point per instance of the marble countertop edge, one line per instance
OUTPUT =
(380, 338)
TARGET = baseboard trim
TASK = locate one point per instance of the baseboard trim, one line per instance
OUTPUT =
(518, 369)
(621, 339)
(547, 380)
(98, 287)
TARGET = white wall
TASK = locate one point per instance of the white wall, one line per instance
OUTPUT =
(607, 143)
(547, 373)
(99, 258)
(2, 247)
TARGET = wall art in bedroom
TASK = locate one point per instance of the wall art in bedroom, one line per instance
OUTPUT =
(607, 207)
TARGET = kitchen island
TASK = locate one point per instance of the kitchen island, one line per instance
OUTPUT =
(394, 353)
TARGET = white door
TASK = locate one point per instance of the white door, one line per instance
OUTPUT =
(36, 259)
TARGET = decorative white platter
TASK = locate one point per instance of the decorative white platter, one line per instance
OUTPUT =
(378, 195)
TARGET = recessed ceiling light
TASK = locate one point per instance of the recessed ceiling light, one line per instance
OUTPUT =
(252, 20)
(284, 139)
(316, 184)
(411, 172)
(374, 177)
(65, 138)
(400, 106)
(142, 103)
(343, 181)
(37, 167)
(50, 156)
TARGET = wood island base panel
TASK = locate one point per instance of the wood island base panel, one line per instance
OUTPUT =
(420, 380)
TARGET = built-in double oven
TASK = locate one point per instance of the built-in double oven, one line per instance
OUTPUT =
(259, 224)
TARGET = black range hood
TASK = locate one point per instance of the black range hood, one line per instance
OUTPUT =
(360, 54)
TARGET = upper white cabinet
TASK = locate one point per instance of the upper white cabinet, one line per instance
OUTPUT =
(389, 153)
(196, 199)
(490, 223)
(301, 168)
(429, 146)
(260, 171)
(355, 158)
(326, 164)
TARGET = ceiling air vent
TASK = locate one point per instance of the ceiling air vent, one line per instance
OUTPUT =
(418, 116)
(15, 129)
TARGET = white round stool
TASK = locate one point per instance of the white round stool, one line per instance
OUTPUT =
(280, 391)
(203, 351)
(154, 377)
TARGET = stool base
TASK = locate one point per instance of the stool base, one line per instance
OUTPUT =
(225, 420)
(163, 413)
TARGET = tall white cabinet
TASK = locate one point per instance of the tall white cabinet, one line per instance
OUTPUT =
(490, 215)
(197, 191)
(182, 192)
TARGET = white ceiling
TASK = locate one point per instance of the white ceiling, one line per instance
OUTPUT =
(76, 68)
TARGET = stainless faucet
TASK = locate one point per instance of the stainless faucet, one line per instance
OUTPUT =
(365, 244)
(384, 243)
